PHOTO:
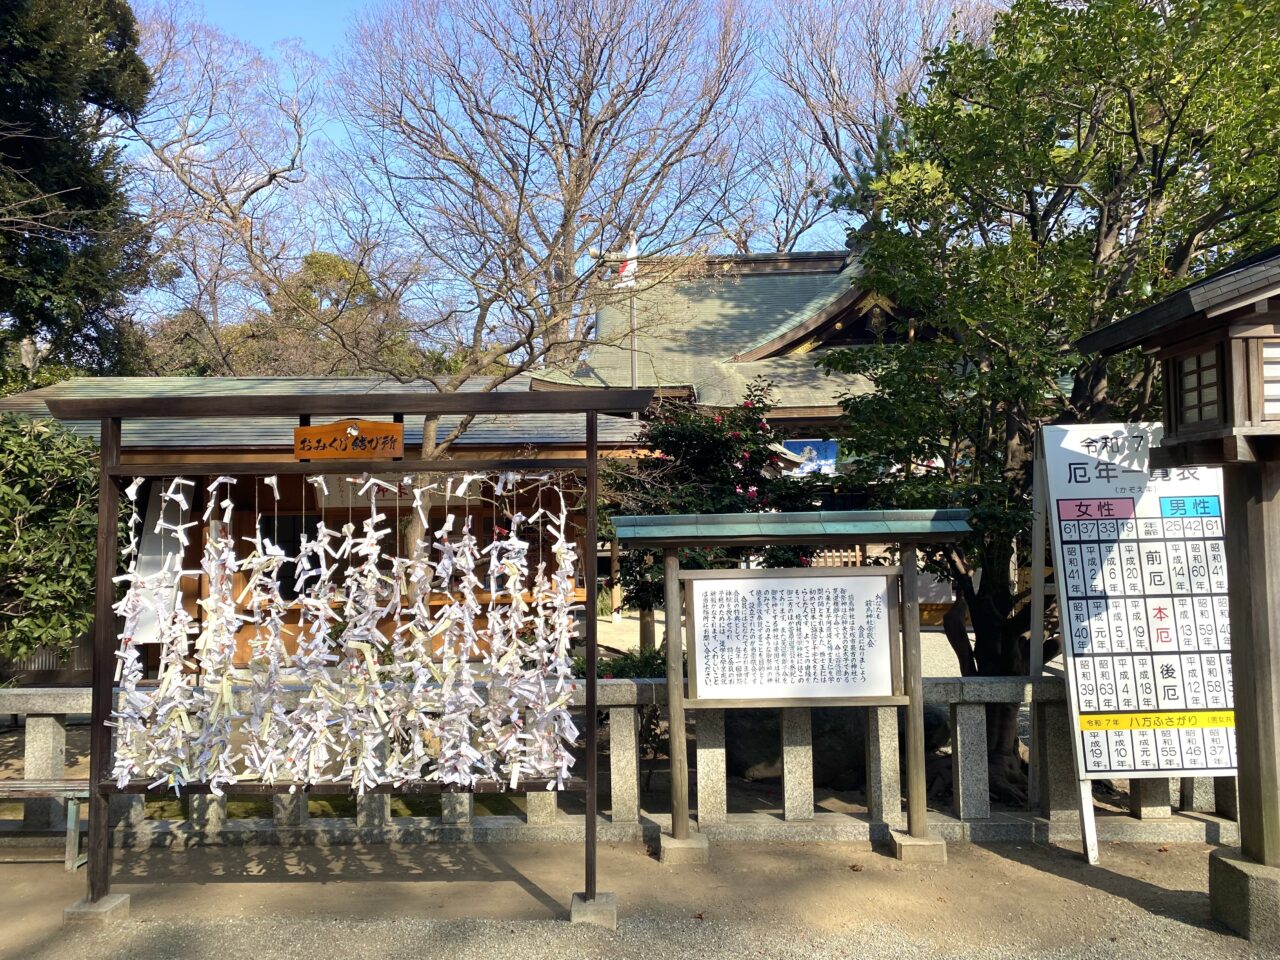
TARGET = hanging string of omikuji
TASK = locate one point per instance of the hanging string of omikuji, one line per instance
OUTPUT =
(437, 658)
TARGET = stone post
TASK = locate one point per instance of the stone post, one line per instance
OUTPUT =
(624, 764)
(1196, 794)
(290, 809)
(712, 773)
(1150, 799)
(541, 807)
(971, 788)
(1059, 793)
(1226, 798)
(797, 763)
(207, 814)
(884, 773)
(457, 808)
(44, 749)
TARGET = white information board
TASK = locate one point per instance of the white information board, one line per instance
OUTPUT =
(1141, 574)
(791, 634)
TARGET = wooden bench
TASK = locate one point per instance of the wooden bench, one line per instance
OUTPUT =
(72, 791)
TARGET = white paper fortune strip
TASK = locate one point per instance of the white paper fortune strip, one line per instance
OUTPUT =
(402, 668)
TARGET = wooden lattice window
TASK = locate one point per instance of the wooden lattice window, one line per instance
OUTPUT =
(1200, 388)
(1271, 379)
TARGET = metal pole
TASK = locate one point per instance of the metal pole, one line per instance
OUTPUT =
(917, 813)
(103, 671)
(679, 750)
(590, 562)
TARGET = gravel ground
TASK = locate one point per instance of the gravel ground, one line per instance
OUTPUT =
(552, 940)
(781, 901)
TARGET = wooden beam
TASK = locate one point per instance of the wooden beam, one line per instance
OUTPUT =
(917, 785)
(590, 564)
(292, 467)
(409, 788)
(415, 402)
(1252, 524)
(104, 660)
(679, 747)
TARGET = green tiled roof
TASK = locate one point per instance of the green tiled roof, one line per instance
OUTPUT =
(688, 333)
(273, 432)
(848, 526)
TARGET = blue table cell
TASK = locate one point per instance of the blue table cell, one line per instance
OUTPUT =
(1177, 507)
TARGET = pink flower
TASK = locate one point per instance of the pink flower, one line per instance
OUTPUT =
(746, 454)
(736, 435)
(747, 404)
(718, 419)
(751, 493)
(737, 489)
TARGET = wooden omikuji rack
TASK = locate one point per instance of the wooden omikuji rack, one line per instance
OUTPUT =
(111, 410)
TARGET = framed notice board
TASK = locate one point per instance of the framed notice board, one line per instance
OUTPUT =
(1141, 574)
(794, 637)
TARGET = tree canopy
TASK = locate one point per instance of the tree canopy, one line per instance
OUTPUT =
(704, 461)
(70, 248)
(1070, 169)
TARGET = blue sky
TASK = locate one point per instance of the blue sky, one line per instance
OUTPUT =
(319, 24)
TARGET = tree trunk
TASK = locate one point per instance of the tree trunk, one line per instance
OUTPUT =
(648, 639)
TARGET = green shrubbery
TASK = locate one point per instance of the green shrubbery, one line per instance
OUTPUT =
(48, 526)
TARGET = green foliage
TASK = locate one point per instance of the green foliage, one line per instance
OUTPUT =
(703, 461)
(69, 246)
(634, 664)
(49, 524)
(1073, 168)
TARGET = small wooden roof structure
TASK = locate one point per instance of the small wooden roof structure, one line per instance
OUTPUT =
(816, 528)
(1218, 300)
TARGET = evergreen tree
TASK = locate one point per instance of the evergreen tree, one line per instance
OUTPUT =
(69, 247)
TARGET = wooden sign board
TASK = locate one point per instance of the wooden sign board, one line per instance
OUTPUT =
(765, 637)
(349, 440)
(1141, 569)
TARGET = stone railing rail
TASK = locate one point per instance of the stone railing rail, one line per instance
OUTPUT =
(1206, 807)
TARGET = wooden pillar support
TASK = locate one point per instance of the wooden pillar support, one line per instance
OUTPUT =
(104, 660)
(675, 697)
(1253, 560)
(590, 577)
(917, 811)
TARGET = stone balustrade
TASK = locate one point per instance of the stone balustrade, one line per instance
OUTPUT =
(1205, 808)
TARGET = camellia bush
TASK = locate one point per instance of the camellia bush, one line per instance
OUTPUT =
(705, 461)
(48, 535)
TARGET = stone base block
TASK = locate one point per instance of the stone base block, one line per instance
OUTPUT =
(600, 912)
(1246, 897)
(673, 852)
(110, 909)
(911, 849)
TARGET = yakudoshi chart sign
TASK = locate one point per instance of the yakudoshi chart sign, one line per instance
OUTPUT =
(803, 634)
(1141, 571)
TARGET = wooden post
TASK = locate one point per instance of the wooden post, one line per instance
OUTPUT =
(1039, 531)
(615, 581)
(104, 642)
(675, 697)
(1252, 526)
(917, 812)
(590, 563)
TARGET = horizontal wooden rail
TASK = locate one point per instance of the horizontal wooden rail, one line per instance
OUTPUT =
(408, 788)
(245, 468)
(409, 402)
